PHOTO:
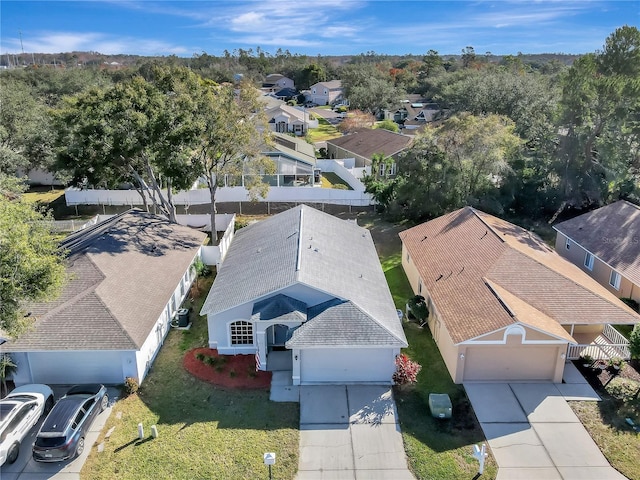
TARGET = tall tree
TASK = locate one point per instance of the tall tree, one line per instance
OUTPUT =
(235, 133)
(31, 266)
(139, 131)
(599, 149)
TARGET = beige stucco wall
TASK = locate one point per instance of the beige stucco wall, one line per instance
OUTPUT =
(601, 271)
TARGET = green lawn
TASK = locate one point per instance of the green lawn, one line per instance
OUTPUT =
(436, 449)
(325, 131)
(330, 179)
(204, 431)
(43, 195)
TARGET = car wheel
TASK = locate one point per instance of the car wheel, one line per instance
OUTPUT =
(104, 403)
(12, 454)
(80, 447)
(48, 405)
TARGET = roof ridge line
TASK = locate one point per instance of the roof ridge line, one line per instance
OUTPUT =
(384, 327)
(299, 252)
(486, 224)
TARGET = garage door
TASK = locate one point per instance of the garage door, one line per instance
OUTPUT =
(76, 367)
(503, 363)
(346, 365)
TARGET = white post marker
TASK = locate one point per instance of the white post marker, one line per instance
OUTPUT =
(480, 454)
(269, 459)
(154, 431)
(140, 431)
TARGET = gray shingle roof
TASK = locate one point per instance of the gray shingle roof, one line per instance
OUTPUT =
(356, 327)
(304, 245)
(280, 307)
(366, 142)
(122, 273)
(611, 233)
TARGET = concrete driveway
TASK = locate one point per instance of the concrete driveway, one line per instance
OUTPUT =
(350, 432)
(533, 433)
(26, 468)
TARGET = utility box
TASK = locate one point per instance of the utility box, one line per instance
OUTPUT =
(183, 317)
(440, 405)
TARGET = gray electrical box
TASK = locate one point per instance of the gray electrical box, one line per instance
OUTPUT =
(440, 405)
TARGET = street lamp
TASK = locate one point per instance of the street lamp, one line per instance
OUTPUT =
(269, 459)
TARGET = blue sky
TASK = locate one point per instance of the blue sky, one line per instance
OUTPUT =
(328, 27)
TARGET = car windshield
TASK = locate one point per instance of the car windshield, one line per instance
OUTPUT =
(49, 442)
(5, 409)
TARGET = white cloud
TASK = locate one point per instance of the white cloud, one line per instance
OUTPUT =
(57, 42)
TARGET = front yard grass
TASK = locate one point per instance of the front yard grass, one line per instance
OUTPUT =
(325, 131)
(203, 431)
(435, 448)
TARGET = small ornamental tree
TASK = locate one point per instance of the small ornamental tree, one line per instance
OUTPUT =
(406, 370)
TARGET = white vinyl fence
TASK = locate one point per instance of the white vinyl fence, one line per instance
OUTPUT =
(75, 196)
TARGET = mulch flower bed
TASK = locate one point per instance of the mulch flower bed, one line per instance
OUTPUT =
(228, 371)
(599, 377)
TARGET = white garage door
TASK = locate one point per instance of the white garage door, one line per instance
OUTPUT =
(76, 367)
(502, 363)
(340, 365)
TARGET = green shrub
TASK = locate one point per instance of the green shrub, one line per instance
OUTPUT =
(219, 368)
(623, 389)
(632, 303)
(130, 386)
(212, 361)
(232, 373)
(200, 356)
(634, 342)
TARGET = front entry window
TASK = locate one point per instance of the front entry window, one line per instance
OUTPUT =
(241, 333)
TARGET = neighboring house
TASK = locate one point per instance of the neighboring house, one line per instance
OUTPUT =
(309, 286)
(503, 305)
(605, 243)
(127, 277)
(286, 94)
(295, 162)
(365, 143)
(275, 82)
(325, 93)
(287, 119)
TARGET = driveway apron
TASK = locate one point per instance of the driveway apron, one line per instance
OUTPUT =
(533, 433)
(350, 432)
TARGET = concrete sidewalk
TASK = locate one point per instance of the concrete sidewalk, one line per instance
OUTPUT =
(350, 432)
(533, 433)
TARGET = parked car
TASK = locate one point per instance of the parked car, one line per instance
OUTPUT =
(19, 411)
(62, 434)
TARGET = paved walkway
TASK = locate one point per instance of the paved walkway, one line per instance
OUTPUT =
(350, 432)
(534, 434)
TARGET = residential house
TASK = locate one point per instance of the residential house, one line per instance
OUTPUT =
(325, 93)
(308, 286)
(366, 142)
(287, 119)
(605, 243)
(274, 82)
(504, 306)
(127, 277)
(295, 162)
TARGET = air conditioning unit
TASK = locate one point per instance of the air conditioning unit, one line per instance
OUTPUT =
(183, 317)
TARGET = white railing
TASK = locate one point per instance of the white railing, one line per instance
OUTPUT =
(614, 335)
(599, 352)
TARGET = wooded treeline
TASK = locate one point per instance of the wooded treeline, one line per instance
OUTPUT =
(526, 138)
